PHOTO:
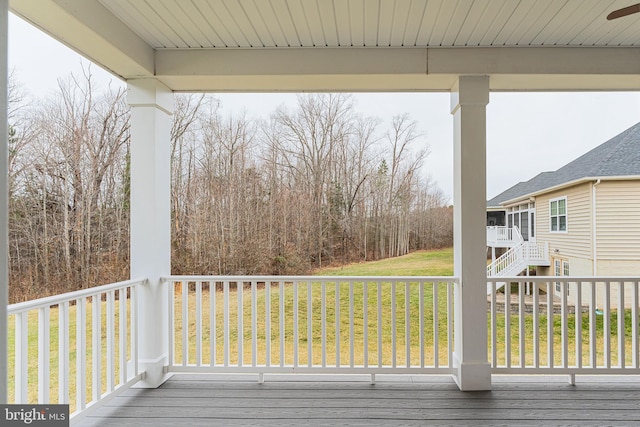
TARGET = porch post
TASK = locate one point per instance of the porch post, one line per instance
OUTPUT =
(4, 199)
(151, 109)
(469, 98)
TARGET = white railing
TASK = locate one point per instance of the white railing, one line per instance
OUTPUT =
(81, 348)
(75, 348)
(508, 262)
(570, 325)
(311, 324)
(518, 258)
(536, 253)
(503, 236)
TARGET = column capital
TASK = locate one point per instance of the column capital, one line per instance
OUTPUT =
(469, 90)
(150, 93)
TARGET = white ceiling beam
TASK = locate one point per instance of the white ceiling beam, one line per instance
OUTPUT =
(564, 82)
(310, 83)
(291, 61)
(396, 83)
(93, 31)
(373, 61)
(398, 69)
(535, 60)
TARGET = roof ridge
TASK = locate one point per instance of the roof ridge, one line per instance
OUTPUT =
(616, 142)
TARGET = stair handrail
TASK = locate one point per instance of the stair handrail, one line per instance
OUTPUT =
(514, 254)
(517, 236)
(519, 256)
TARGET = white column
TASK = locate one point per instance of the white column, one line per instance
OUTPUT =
(469, 99)
(151, 108)
(4, 198)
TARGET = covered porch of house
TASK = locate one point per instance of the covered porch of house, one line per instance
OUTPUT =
(142, 331)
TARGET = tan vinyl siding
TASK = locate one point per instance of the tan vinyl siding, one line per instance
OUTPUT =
(618, 220)
(578, 266)
(576, 241)
(619, 268)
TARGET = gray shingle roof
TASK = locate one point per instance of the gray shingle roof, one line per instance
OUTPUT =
(619, 156)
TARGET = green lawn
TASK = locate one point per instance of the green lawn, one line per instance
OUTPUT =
(422, 263)
(557, 339)
(333, 327)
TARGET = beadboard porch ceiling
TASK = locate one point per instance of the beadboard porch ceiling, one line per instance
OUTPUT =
(315, 45)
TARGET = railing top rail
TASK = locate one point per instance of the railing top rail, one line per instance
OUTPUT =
(313, 278)
(69, 296)
(570, 279)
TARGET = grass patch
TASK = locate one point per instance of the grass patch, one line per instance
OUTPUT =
(576, 354)
(421, 263)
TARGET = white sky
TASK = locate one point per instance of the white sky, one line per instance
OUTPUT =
(527, 133)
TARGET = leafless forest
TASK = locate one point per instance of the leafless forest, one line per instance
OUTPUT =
(313, 185)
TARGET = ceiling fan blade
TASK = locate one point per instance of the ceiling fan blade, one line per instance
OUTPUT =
(624, 12)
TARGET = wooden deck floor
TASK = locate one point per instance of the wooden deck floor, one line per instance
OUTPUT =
(204, 400)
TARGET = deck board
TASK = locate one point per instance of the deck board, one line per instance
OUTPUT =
(199, 400)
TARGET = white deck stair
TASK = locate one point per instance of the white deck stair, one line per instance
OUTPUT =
(517, 259)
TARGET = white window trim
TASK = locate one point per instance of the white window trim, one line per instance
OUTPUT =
(566, 215)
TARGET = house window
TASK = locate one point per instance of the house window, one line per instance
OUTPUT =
(561, 268)
(558, 214)
(533, 225)
(524, 224)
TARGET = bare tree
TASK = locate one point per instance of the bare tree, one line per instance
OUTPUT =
(310, 138)
(69, 185)
(404, 166)
(186, 138)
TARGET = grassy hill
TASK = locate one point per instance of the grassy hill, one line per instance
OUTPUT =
(421, 263)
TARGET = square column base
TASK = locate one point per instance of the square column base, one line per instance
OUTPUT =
(154, 373)
(471, 376)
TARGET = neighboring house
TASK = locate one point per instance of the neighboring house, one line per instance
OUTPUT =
(587, 213)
